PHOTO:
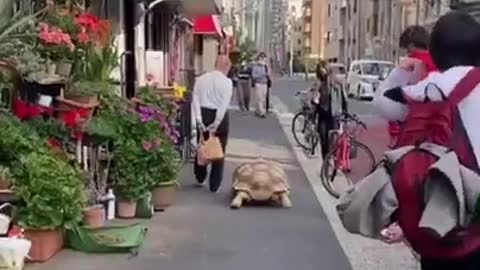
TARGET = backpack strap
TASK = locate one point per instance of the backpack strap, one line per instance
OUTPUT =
(465, 86)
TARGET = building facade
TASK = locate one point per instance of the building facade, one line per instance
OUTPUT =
(314, 28)
(372, 29)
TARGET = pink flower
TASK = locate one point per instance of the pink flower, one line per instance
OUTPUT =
(43, 27)
(150, 77)
(147, 146)
(50, 3)
(157, 142)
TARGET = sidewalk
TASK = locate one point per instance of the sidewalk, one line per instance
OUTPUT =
(201, 232)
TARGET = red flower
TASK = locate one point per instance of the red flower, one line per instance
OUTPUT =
(88, 21)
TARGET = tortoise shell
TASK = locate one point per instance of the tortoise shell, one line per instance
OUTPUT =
(261, 179)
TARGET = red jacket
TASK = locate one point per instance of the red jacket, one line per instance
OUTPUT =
(426, 58)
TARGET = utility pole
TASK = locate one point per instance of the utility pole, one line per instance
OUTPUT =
(128, 12)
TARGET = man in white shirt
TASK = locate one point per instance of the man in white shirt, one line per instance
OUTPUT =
(212, 93)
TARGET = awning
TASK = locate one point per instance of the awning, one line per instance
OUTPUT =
(200, 7)
(207, 25)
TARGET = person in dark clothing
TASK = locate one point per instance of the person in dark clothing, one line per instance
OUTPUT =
(322, 103)
(244, 87)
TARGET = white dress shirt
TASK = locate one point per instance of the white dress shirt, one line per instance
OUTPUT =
(212, 90)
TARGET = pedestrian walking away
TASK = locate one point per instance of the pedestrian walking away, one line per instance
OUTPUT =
(212, 94)
(244, 87)
(260, 78)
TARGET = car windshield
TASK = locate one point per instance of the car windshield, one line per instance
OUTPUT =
(377, 69)
(338, 70)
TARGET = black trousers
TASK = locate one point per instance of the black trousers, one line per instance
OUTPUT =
(217, 167)
(325, 124)
(471, 262)
(267, 100)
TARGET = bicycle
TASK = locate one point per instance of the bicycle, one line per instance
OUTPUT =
(304, 124)
(347, 156)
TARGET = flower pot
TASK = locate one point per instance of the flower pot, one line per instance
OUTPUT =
(45, 244)
(126, 209)
(64, 69)
(82, 99)
(4, 184)
(51, 69)
(164, 196)
(94, 216)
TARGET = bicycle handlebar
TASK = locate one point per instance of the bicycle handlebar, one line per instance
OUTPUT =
(345, 117)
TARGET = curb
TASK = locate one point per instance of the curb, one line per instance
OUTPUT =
(362, 253)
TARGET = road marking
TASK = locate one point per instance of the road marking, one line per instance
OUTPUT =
(362, 253)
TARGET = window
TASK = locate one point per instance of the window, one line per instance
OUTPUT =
(375, 24)
(355, 6)
(329, 10)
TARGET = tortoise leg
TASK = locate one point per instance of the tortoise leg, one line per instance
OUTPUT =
(237, 201)
(286, 202)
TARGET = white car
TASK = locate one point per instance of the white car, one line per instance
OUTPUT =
(364, 77)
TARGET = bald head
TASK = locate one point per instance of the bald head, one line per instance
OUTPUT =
(223, 64)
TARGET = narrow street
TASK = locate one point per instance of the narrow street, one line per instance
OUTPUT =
(201, 232)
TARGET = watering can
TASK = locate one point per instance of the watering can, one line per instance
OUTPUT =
(13, 253)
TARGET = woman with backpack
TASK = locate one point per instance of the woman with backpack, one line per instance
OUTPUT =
(450, 100)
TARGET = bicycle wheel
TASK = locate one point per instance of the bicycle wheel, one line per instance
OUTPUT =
(300, 129)
(335, 180)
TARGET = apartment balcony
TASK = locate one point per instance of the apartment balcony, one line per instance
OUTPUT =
(343, 4)
(340, 33)
(307, 14)
(307, 28)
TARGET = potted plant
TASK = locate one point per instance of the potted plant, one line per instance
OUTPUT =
(95, 213)
(48, 190)
(157, 115)
(130, 183)
(128, 168)
(51, 199)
